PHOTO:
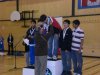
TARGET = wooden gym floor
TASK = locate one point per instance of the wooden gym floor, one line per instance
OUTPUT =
(91, 65)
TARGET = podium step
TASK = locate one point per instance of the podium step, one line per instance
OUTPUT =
(54, 67)
(30, 70)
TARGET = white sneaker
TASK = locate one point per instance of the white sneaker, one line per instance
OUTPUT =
(75, 74)
(48, 57)
(78, 74)
(54, 57)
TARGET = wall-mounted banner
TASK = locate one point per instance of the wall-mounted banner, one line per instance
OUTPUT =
(88, 4)
(6, 0)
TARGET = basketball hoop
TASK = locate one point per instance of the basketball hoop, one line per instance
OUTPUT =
(15, 16)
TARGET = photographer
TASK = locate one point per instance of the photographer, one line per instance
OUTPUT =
(41, 48)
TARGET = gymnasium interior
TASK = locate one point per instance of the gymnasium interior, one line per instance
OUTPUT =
(67, 9)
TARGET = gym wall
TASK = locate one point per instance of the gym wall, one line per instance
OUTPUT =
(90, 24)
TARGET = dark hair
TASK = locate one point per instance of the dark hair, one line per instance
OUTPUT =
(42, 18)
(33, 20)
(76, 22)
(67, 21)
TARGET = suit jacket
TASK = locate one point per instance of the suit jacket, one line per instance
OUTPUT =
(41, 47)
(30, 35)
(10, 41)
(65, 43)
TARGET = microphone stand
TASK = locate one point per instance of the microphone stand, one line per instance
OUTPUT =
(15, 65)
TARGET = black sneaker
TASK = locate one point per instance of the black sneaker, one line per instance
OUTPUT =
(69, 73)
(64, 73)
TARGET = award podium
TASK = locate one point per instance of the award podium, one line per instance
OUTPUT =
(54, 67)
(29, 70)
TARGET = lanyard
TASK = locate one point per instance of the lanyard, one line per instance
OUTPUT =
(32, 31)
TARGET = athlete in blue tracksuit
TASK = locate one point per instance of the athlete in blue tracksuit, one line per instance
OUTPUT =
(30, 34)
(1, 44)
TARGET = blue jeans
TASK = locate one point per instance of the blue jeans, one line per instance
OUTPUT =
(66, 60)
(77, 61)
(53, 45)
(27, 58)
(32, 54)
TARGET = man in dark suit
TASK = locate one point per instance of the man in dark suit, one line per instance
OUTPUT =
(10, 40)
(65, 41)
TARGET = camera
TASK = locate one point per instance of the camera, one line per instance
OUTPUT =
(41, 26)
